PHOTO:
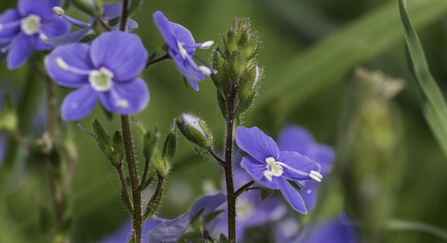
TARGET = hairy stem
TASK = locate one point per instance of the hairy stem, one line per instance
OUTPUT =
(124, 189)
(166, 56)
(150, 210)
(244, 188)
(231, 196)
(217, 158)
(137, 220)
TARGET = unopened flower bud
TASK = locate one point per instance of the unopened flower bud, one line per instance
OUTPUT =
(149, 143)
(195, 130)
(250, 82)
(170, 146)
(252, 47)
(237, 65)
(230, 40)
(103, 140)
(221, 78)
(161, 165)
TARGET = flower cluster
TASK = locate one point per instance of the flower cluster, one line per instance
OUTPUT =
(24, 29)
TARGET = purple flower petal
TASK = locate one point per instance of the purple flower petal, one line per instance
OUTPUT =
(334, 231)
(7, 18)
(184, 36)
(68, 38)
(256, 143)
(295, 138)
(2, 148)
(112, 10)
(169, 231)
(309, 194)
(298, 166)
(42, 8)
(324, 155)
(186, 70)
(79, 103)
(125, 232)
(55, 27)
(126, 98)
(165, 29)
(20, 52)
(122, 53)
(208, 203)
(75, 55)
(292, 196)
(256, 170)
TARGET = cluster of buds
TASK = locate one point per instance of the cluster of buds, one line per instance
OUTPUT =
(236, 66)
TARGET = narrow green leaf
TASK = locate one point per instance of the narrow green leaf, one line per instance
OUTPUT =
(266, 192)
(335, 56)
(294, 185)
(223, 239)
(416, 226)
(434, 105)
(195, 222)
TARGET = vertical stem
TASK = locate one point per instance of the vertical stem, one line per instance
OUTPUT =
(124, 15)
(137, 220)
(231, 198)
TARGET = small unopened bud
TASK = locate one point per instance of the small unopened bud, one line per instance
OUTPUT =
(237, 66)
(161, 165)
(230, 40)
(252, 47)
(149, 143)
(221, 78)
(250, 82)
(118, 149)
(58, 11)
(195, 130)
(207, 45)
(170, 146)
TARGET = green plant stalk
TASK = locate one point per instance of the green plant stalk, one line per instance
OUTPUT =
(231, 196)
(137, 219)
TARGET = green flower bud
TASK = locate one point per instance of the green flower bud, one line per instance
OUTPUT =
(118, 149)
(149, 143)
(252, 47)
(195, 130)
(161, 165)
(103, 140)
(230, 40)
(8, 118)
(170, 146)
(222, 105)
(243, 39)
(249, 84)
(221, 78)
(237, 65)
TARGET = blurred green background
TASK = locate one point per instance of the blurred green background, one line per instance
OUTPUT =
(309, 51)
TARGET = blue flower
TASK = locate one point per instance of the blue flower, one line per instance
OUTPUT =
(182, 48)
(2, 148)
(170, 231)
(107, 70)
(339, 230)
(273, 168)
(251, 210)
(298, 139)
(24, 28)
(111, 11)
(125, 232)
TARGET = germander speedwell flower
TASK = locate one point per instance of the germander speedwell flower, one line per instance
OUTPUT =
(111, 11)
(182, 48)
(24, 28)
(107, 70)
(272, 168)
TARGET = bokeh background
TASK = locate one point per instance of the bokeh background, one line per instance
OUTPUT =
(310, 49)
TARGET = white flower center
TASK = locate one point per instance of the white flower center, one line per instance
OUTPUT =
(30, 25)
(182, 50)
(274, 168)
(101, 80)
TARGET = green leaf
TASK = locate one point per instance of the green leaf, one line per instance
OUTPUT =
(434, 105)
(330, 60)
(266, 192)
(416, 226)
(223, 239)
(195, 222)
(103, 140)
(118, 148)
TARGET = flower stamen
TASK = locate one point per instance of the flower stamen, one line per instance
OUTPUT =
(315, 175)
(30, 25)
(101, 80)
(275, 168)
